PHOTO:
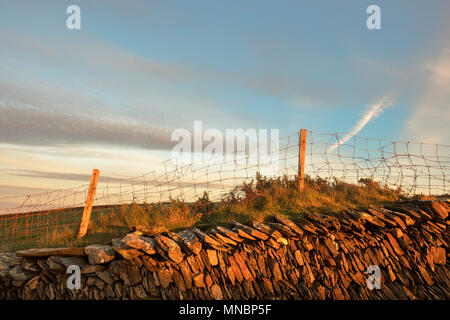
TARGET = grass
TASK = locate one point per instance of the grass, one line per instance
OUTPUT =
(260, 200)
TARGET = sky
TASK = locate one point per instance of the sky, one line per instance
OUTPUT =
(109, 95)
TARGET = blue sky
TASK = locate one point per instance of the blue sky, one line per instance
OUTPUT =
(112, 92)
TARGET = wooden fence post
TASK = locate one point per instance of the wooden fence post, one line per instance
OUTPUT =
(89, 203)
(301, 160)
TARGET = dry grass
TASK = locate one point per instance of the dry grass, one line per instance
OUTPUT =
(263, 198)
(258, 200)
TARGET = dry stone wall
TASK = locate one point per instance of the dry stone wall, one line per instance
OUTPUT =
(318, 256)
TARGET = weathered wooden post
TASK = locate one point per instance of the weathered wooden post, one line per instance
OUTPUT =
(89, 203)
(301, 160)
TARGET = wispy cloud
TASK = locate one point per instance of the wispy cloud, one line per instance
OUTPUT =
(38, 127)
(375, 66)
(372, 112)
(57, 175)
(431, 117)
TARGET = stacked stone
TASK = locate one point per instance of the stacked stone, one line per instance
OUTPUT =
(313, 256)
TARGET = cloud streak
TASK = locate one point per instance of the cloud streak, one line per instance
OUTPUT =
(34, 126)
(59, 175)
(430, 119)
(372, 112)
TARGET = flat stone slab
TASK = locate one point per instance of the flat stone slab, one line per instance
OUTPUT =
(18, 274)
(47, 252)
(98, 254)
(7, 261)
(150, 231)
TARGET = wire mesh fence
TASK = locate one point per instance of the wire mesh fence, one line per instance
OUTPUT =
(413, 167)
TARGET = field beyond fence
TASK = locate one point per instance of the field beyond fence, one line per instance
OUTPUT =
(338, 173)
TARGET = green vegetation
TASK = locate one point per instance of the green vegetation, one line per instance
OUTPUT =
(258, 200)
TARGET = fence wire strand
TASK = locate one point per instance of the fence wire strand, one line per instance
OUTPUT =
(414, 167)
